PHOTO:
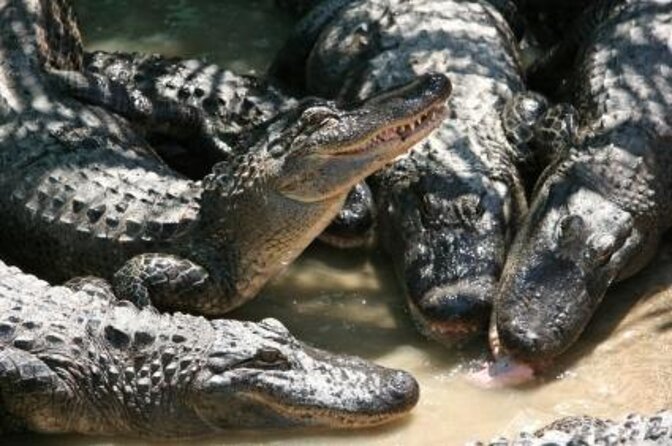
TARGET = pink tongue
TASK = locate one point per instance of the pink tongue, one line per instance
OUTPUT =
(501, 373)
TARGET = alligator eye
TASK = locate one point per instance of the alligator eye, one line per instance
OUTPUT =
(269, 358)
(266, 358)
(318, 115)
(269, 355)
(570, 227)
(602, 249)
(469, 209)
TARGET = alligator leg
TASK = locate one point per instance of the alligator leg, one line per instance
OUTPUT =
(172, 281)
(519, 119)
(29, 391)
(541, 133)
(556, 132)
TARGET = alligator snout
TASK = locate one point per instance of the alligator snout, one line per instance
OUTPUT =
(453, 311)
(404, 391)
(522, 343)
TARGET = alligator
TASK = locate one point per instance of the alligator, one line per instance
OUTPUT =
(75, 359)
(448, 210)
(146, 88)
(599, 210)
(230, 105)
(633, 430)
(83, 193)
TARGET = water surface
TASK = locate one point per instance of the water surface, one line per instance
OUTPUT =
(242, 35)
(349, 301)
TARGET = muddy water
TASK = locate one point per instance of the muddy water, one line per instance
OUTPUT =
(349, 302)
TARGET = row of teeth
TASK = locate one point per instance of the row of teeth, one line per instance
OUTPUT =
(400, 131)
(407, 128)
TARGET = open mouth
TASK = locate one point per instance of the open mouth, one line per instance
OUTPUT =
(442, 331)
(406, 131)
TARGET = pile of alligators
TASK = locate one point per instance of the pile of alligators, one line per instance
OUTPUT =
(508, 195)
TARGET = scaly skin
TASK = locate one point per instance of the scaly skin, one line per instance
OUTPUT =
(229, 105)
(74, 359)
(598, 212)
(84, 195)
(634, 430)
(447, 211)
(212, 102)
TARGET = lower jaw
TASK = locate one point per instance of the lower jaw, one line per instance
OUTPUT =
(333, 419)
(448, 333)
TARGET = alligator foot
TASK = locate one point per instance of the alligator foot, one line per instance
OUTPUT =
(171, 282)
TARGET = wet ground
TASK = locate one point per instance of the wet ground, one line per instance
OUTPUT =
(349, 301)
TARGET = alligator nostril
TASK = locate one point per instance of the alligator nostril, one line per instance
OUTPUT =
(403, 389)
(523, 343)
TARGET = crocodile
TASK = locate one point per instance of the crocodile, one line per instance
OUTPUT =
(84, 194)
(447, 211)
(599, 210)
(75, 359)
(230, 104)
(633, 430)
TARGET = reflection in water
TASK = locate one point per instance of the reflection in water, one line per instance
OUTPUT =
(349, 301)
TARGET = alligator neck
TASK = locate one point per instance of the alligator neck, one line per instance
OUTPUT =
(262, 233)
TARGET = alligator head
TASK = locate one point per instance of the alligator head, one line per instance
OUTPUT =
(282, 192)
(270, 380)
(580, 235)
(145, 374)
(448, 235)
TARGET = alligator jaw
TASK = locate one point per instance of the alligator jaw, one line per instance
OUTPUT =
(340, 148)
(399, 135)
(338, 419)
